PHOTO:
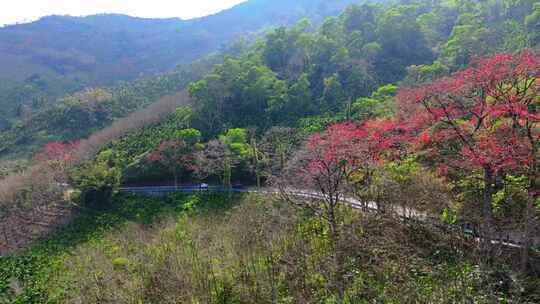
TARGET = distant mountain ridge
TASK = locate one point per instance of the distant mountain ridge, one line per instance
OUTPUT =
(55, 55)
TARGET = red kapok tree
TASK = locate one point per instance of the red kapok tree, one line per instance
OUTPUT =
(328, 160)
(58, 157)
(175, 156)
(319, 173)
(513, 86)
(484, 118)
(322, 170)
(381, 141)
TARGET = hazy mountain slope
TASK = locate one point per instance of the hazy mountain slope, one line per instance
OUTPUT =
(61, 54)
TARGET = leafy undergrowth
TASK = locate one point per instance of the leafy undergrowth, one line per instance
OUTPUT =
(214, 249)
(27, 278)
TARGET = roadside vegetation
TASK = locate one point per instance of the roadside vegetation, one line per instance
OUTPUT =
(250, 249)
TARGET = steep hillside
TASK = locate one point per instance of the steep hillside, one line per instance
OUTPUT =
(61, 54)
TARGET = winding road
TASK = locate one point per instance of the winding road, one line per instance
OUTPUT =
(352, 202)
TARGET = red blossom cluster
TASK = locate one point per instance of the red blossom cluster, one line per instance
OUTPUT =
(484, 117)
(176, 156)
(350, 147)
(173, 152)
(58, 152)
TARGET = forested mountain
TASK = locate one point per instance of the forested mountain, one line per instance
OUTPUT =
(424, 115)
(56, 55)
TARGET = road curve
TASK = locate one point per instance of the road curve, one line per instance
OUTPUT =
(352, 202)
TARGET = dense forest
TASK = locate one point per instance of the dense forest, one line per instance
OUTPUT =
(422, 113)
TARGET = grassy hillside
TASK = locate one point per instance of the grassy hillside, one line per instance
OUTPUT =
(209, 249)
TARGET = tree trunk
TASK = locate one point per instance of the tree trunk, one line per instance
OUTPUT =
(529, 212)
(227, 174)
(175, 180)
(6, 240)
(349, 109)
(527, 223)
(255, 153)
(334, 236)
(282, 160)
(487, 212)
